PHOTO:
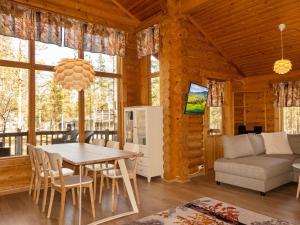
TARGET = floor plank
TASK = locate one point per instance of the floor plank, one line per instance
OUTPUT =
(18, 209)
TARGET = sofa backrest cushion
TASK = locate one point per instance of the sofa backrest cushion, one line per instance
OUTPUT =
(294, 141)
(257, 143)
(277, 143)
(237, 146)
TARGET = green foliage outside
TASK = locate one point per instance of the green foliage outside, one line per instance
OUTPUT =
(196, 103)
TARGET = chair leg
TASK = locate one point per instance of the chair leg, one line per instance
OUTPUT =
(124, 190)
(45, 194)
(31, 182)
(117, 186)
(136, 190)
(95, 183)
(35, 187)
(38, 191)
(73, 196)
(78, 197)
(113, 195)
(101, 189)
(51, 202)
(298, 189)
(86, 172)
(92, 199)
(62, 208)
(107, 183)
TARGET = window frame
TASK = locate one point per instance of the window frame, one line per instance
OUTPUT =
(32, 66)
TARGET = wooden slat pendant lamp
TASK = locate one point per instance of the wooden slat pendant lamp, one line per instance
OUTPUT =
(75, 74)
(282, 65)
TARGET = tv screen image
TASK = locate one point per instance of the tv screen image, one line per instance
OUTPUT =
(196, 100)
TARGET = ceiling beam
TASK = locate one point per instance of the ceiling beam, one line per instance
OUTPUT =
(127, 12)
(199, 28)
(187, 6)
(156, 18)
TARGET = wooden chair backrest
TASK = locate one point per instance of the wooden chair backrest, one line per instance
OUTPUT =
(131, 163)
(30, 149)
(55, 166)
(113, 144)
(100, 142)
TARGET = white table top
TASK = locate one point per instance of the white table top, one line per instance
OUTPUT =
(84, 154)
(296, 165)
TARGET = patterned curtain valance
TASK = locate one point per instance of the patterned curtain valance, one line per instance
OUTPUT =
(110, 41)
(148, 41)
(29, 24)
(287, 94)
(16, 21)
(215, 93)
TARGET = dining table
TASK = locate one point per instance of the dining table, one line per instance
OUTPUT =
(81, 154)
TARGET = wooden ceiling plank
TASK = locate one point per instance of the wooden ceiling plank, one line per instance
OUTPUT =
(188, 6)
(216, 47)
(127, 12)
(150, 21)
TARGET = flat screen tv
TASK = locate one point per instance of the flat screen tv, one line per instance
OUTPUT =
(196, 100)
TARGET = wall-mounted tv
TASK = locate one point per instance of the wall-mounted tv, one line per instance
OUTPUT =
(196, 99)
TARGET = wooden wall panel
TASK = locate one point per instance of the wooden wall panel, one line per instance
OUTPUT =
(15, 174)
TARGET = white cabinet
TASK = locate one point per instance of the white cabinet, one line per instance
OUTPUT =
(143, 125)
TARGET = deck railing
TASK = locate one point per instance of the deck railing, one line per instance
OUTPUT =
(14, 144)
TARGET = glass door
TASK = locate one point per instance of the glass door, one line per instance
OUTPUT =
(141, 127)
(129, 126)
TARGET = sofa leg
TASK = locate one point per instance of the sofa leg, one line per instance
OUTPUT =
(263, 193)
(218, 182)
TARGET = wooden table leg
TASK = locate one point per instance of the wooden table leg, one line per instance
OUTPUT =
(80, 190)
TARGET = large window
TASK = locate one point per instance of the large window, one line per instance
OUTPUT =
(291, 120)
(101, 107)
(56, 109)
(154, 81)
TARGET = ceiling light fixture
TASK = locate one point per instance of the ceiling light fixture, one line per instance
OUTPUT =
(282, 65)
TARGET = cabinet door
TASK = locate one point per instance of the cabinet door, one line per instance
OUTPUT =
(141, 136)
(129, 126)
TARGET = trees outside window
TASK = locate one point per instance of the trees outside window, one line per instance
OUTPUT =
(291, 120)
(215, 120)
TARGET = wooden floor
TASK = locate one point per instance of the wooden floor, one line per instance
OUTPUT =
(18, 209)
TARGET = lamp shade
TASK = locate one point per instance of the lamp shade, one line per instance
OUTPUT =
(75, 74)
(282, 66)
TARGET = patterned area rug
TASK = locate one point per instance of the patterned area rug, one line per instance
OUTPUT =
(208, 211)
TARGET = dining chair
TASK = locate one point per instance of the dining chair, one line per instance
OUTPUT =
(63, 184)
(30, 149)
(99, 167)
(115, 174)
(113, 144)
(43, 176)
(99, 141)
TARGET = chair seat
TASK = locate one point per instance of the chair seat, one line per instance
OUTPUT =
(65, 172)
(116, 173)
(74, 181)
(100, 167)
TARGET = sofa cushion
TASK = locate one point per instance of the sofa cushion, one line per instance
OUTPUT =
(257, 143)
(276, 143)
(256, 167)
(237, 146)
(294, 141)
(289, 157)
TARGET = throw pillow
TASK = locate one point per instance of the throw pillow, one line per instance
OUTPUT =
(294, 141)
(237, 146)
(257, 143)
(276, 143)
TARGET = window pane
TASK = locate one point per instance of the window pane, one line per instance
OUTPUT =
(215, 120)
(154, 64)
(102, 62)
(56, 108)
(155, 91)
(101, 107)
(13, 110)
(14, 49)
(291, 120)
